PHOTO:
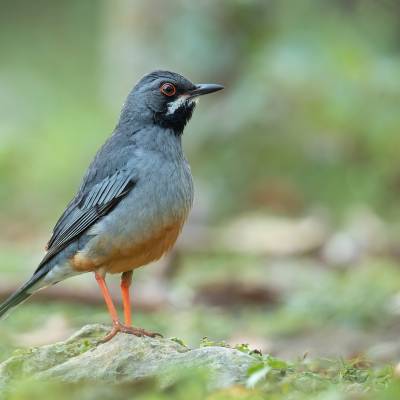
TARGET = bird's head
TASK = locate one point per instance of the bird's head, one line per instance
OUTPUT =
(168, 98)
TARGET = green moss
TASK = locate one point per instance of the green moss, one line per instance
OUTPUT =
(206, 342)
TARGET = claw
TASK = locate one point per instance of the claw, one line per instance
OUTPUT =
(118, 327)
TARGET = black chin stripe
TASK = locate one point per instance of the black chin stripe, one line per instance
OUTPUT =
(178, 120)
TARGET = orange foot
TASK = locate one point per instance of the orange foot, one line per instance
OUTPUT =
(118, 327)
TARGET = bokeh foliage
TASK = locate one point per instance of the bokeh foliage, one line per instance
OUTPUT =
(309, 113)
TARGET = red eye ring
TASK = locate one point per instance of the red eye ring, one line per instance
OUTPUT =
(168, 89)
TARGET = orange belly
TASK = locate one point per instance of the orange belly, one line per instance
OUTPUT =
(123, 256)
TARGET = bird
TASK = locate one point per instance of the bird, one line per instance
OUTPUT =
(133, 199)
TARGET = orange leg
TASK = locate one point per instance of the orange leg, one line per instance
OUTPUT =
(117, 326)
(107, 297)
(126, 280)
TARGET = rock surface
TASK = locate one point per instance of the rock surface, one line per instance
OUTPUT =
(125, 358)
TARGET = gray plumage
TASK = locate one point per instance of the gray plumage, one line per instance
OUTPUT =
(138, 184)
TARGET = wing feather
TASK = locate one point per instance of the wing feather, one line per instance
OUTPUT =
(84, 211)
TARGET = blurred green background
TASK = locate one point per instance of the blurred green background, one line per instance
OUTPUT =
(293, 242)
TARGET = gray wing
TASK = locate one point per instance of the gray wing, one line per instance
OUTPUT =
(86, 209)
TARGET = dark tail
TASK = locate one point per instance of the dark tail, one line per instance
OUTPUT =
(23, 293)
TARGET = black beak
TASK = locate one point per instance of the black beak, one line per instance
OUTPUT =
(205, 88)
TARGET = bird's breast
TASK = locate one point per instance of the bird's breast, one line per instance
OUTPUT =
(143, 226)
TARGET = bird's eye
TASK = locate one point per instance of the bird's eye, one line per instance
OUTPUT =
(168, 89)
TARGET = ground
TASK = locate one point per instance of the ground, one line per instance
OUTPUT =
(324, 332)
(166, 368)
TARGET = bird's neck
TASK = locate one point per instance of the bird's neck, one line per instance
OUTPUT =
(149, 136)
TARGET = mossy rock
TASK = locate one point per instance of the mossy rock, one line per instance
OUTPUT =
(125, 358)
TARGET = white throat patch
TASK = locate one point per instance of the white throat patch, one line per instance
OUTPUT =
(179, 102)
